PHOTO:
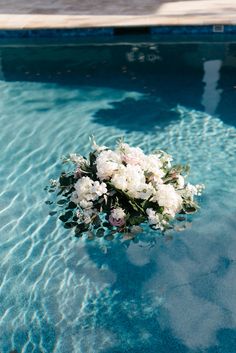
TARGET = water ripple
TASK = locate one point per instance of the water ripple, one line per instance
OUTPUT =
(62, 295)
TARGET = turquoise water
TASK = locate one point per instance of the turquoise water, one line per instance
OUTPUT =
(65, 295)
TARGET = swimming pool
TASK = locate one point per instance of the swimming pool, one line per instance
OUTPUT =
(62, 294)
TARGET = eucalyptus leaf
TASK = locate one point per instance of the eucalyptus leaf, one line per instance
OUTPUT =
(52, 213)
(100, 232)
(61, 201)
(66, 216)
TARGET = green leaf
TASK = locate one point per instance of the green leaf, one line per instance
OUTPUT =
(109, 237)
(66, 180)
(71, 205)
(92, 159)
(48, 202)
(78, 231)
(64, 218)
(181, 218)
(107, 225)
(69, 225)
(61, 202)
(100, 232)
(96, 222)
(190, 208)
(136, 220)
(81, 227)
(52, 213)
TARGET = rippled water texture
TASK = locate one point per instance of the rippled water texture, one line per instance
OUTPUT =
(65, 295)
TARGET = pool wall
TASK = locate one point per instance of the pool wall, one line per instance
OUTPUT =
(113, 31)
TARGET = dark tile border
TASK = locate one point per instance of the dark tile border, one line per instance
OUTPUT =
(204, 29)
(116, 31)
(56, 33)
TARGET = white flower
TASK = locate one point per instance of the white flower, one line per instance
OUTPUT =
(153, 165)
(118, 213)
(131, 179)
(83, 188)
(189, 192)
(180, 182)
(77, 159)
(167, 197)
(85, 204)
(192, 190)
(99, 188)
(107, 162)
(53, 182)
(200, 188)
(119, 180)
(135, 177)
(144, 192)
(74, 197)
(117, 217)
(131, 155)
(87, 190)
(155, 219)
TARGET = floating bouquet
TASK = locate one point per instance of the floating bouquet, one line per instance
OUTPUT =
(115, 191)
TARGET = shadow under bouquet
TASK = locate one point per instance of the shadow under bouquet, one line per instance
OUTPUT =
(116, 191)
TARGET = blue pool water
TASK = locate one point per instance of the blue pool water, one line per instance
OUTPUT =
(66, 295)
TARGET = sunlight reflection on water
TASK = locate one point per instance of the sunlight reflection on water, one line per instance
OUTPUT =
(61, 294)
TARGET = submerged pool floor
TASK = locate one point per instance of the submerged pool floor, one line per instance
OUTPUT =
(65, 295)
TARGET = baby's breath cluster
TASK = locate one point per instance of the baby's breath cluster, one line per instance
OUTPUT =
(117, 190)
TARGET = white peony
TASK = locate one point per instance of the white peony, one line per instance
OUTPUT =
(144, 191)
(119, 179)
(131, 179)
(86, 204)
(152, 164)
(99, 189)
(108, 162)
(167, 197)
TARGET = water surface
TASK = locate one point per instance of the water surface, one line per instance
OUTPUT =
(65, 295)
